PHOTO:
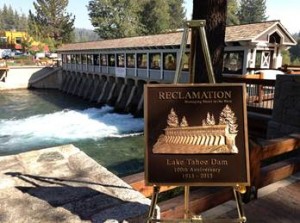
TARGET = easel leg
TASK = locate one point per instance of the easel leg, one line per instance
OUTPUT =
(156, 190)
(239, 205)
(186, 201)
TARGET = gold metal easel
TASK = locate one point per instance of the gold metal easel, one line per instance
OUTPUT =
(196, 26)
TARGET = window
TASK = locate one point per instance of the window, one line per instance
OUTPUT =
(68, 58)
(18, 40)
(185, 59)
(96, 59)
(120, 60)
(275, 38)
(154, 60)
(103, 60)
(130, 60)
(169, 61)
(64, 58)
(83, 58)
(142, 60)
(90, 59)
(233, 62)
(111, 60)
(78, 59)
(73, 58)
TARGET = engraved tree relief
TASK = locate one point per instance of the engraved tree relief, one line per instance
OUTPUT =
(228, 118)
(172, 119)
(209, 137)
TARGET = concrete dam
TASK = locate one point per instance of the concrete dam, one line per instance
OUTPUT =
(124, 94)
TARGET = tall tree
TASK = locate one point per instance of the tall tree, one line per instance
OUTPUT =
(52, 21)
(214, 12)
(295, 51)
(155, 16)
(114, 19)
(252, 11)
(232, 13)
(8, 18)
(177, 13)
(124, 18)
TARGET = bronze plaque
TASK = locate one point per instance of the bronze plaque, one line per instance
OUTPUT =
(196, 134)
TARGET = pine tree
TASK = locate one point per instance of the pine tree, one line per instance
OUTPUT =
(252, 11)
(172, 119)
(9, 18)
(184, 122)
(177, 14)
(227, 117)
(159, 16)
(209, 121)
(155, 16)
(232, 10)
(295, 51)
(51, 20)
(114, 19)
(125, 18)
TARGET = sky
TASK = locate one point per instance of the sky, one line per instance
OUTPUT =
(287, 11)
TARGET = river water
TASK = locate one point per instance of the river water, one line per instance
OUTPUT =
(36, 119)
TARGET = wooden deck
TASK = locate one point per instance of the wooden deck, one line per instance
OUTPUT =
(278, 202)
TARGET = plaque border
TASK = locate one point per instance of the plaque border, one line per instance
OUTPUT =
(245, 130)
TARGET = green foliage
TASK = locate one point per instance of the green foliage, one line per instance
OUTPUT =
(114, 19)
(50, 42)
(155, 16)
(26, 43)
(177, 14)
(232, 13)
(286, 59)
(295, 52)
(296, 62)
(125, 18)
(50, 20)
(11, 20)
(252, 11)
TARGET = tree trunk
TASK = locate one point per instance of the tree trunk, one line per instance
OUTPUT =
(214, 12)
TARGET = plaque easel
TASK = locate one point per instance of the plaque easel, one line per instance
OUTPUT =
(196, 26)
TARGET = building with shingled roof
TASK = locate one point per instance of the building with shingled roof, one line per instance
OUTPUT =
(248, 47)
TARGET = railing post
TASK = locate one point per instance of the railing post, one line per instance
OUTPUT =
(255, 156)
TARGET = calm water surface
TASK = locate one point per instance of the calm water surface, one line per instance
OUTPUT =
(36, 119)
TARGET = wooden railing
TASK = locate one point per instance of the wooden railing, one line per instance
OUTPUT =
(290, 69)
(273, 160)
(260, 92)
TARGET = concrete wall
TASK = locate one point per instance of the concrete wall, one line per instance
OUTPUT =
(23, 77)
(46, 78)
(125, 94)
(286, 111)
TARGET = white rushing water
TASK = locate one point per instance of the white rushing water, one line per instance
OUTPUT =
(66, 126)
